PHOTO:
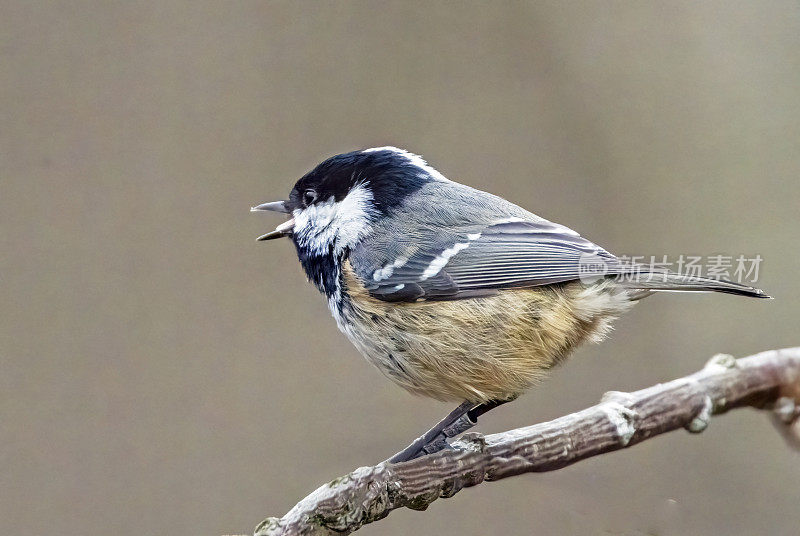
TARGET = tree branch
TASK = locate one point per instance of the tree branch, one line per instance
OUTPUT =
(769, 380)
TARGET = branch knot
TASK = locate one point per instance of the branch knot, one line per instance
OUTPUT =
(721, 362)
(623, 420)
(703, 417)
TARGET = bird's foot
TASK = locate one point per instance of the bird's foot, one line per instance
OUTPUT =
(435, 439)
(463, 424)
(457, 422)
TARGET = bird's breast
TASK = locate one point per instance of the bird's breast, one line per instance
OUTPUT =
(477, 349)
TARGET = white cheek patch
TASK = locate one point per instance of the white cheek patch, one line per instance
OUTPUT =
(319, 215)
(312, 226)
(339, 224)
(353, 217)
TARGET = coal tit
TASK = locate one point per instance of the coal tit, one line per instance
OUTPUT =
(455, 293)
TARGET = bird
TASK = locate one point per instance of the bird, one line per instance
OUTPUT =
(451, 292)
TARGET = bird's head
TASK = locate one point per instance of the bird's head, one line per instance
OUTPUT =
(337, 203)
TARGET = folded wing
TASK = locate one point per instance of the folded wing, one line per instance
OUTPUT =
(477, 260)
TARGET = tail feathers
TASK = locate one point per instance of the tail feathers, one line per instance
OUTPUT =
(646, 282)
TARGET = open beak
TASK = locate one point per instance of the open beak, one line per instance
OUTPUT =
(284, 229)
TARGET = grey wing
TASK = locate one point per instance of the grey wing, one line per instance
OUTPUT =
(476, 260)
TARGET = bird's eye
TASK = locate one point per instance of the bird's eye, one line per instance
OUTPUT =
(309, 196)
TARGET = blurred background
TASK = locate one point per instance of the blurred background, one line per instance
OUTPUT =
(163, 373)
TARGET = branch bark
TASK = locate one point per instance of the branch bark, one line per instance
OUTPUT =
(769, 380)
